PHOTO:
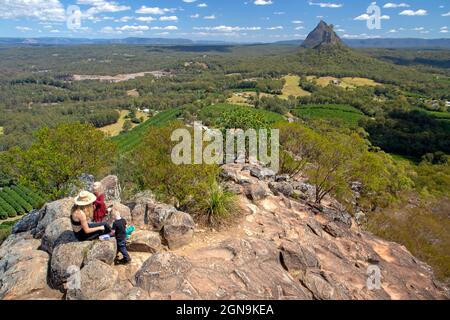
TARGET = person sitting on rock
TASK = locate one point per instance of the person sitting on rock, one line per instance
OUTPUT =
(119, 230)
(83, 208)
(99, 204)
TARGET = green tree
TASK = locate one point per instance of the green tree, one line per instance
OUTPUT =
(59, 156)
(150, 167)
(127, 126)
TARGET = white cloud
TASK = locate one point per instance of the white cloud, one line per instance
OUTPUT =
(168, 18)
(420, 12)
(189, 1)
(100, 6)
(133, 28)
(155, 10)
(275, 28)
(145, 19)
(23, 29)
(263, 2)
(365, 17)
(297, 22)
(326, 4)
(391, 5)
(107, 30)
(211, 17)
(195, 16)
(202, 5)
(224, 28)
(44, 10)
(446, 14)
(418, 29)
(165, 28)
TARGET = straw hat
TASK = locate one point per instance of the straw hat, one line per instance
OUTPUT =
(85, 198)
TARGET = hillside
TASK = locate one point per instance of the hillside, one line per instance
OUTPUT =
(284, 247)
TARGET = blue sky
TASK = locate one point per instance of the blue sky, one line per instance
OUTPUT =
(230, 20)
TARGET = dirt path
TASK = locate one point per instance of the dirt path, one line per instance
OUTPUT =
(11, 219)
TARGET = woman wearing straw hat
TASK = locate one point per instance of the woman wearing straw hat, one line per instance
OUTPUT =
(83, 208)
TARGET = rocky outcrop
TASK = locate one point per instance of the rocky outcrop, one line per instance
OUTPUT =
(322, 35)
(145, 241)
(178, 230)
(111, 188)
(56, 233)
(23, 270)
(51, 212)
(282, 246)
(65, 257)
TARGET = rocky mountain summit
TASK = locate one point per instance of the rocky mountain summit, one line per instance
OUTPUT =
(322, 35)
(282, 247)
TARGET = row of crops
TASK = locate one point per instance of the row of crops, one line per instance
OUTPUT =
(129, 140)
(18, 200)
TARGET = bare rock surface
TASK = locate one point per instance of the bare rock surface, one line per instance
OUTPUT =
(281, 246)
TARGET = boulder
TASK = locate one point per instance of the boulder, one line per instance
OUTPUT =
(111, 187)
(297, 258)
(9, 244)
(159, 216)
(23, 271)
(65, 257)
(333, 229)
(178, 230)
(162, 272)
(53, 211)
(56, 233)
(123, 210)
(233, 188)
(256, 191)
(151, 215)
(283, 188)
(260, 172)
(323, 287)
(15, 251)
(104, 251)
(282, 178)
(338, 215)
(144, 241)
(97, 281)
(230, 172)
(85, 182)
(27, 223)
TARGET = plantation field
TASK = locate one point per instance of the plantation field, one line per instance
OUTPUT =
(243, 97)
(18, 200)
(213, 115)
(440, 115)
(128, 141)
(292, 87)
(115, 129)
(346, 82)
(1, 131)
(360, 82)
(349, 115)
(5, 229)
(240, 98)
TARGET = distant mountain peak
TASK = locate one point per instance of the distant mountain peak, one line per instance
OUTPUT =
(322, 35)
